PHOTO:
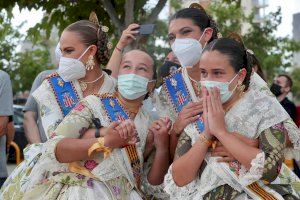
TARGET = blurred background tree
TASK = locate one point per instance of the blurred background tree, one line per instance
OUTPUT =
(22, 66)
(116, 15)
(274, 53)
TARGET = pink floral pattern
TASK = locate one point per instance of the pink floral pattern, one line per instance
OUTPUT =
(90, 164)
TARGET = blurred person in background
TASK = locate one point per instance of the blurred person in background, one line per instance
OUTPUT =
(281, 87)
(6, 110)
(32, 120)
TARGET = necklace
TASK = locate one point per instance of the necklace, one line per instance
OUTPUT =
(131, 107)
(83, 84)
(196, 85)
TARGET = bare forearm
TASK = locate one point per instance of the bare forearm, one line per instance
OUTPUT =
(173, 144)
(31, 129)
(10, 133)
(159, 167)
(114, 62)
(148, 149)
(185, 169)
(72, 149)
(3, 125)
(243, 152)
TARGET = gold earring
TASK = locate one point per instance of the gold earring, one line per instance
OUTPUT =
(90, 63)
(241, 88)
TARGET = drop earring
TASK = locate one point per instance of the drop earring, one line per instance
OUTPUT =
(90, 63)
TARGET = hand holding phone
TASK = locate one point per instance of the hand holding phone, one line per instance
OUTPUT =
(146, 29)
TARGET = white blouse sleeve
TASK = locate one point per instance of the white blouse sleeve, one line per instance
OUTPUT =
(177, 192)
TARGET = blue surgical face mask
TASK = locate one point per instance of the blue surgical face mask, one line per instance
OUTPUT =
(223, 87)
(132, 86)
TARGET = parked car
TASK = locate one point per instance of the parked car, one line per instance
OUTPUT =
(20, 138)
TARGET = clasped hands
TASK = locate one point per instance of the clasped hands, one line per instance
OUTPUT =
(214, 121)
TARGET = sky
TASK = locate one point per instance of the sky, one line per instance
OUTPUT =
(288, 7)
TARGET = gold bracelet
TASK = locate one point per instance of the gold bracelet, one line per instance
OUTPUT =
(99, 146)
(204, 140)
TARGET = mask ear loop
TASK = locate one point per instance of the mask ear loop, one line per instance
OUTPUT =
(83, 53)
(232, 80)
(150, 93)
(202, 37)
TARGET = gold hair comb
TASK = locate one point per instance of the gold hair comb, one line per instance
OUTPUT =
(93, 18)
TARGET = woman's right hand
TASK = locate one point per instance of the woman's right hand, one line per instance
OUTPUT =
(189, 114)
(114, 135)
(128, 36)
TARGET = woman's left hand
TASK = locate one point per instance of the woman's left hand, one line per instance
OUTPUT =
(215, 112)
(160, 129)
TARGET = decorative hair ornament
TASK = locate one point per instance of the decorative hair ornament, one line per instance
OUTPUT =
(109, 45)
(93, 18)
(250, 51)
(105, 29)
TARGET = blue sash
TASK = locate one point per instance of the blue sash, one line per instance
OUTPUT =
(65, 93)
(116, 112)
(179, 95)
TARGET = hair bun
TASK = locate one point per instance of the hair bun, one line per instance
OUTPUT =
(197, 6)
(236, 37)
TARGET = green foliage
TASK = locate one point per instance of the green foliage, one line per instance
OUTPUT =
(60, 13)
(274, 53)
(8, 40)
(175, 4)
(21, 66)
(26, 66)
(228, 17)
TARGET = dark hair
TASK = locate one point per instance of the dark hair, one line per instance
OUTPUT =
(92, 34)
(289, 80)
(255, 62)
(199, 18)
(237, 54)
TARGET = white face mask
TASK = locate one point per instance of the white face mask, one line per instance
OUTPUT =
(223, 86)
(187, 50)
(71, 69)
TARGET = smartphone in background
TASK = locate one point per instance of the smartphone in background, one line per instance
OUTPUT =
(146, 29)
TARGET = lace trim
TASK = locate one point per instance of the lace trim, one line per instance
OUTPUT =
(156, 191)
(247, 177)
(293, 132)
(177, 192)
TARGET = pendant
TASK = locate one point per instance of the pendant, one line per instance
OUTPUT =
(83, 86)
